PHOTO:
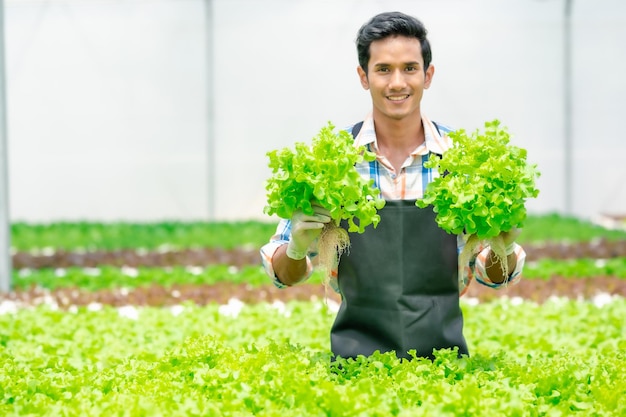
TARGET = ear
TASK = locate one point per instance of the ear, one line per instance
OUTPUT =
(363, 77)
(430, 72)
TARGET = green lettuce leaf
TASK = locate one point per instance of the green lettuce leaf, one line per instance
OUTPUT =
(486, 186)
(323, 171)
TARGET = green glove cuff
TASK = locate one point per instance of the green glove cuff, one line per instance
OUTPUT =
(294, 253)
(510, 248)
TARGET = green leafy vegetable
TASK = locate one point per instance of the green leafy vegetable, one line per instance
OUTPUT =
(107, 236)
(483, 191)
(323, 172)
(486, 186)
(212, 361)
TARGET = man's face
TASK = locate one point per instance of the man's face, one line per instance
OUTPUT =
(396, 77)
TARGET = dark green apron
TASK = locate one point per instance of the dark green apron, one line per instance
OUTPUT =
(399, 287)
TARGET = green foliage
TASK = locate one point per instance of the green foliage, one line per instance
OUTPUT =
(575, 268)
(486, 186)
(562, 358)
(93, 236)
(107, 277)
(558, 228)
(323, 172)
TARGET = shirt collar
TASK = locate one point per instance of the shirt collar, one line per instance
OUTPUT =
(435, 142)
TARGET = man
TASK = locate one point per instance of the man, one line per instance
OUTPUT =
(400, 282)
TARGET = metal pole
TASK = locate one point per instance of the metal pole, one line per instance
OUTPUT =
(567, 105)
(210, 91)
(5, 229)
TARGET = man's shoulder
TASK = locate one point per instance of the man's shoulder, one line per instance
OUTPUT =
(443, 128)
(354, 128)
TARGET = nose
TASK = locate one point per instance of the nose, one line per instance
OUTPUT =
(397, 80)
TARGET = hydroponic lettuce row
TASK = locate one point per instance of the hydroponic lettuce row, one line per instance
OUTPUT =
(242, 360)
(487, 184)
(324, 172)
(87, 237)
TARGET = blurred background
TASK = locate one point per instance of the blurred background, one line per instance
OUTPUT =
(143, 110)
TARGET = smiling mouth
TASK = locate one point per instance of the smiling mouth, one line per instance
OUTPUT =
(398, 98)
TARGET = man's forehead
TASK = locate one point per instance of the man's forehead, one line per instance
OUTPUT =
(408, 50)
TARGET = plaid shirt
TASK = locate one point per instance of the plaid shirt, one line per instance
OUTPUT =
(407, 184)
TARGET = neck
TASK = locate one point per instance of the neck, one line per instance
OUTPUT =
(406, 133)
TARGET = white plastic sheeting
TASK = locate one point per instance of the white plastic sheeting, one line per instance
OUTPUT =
(109, 113)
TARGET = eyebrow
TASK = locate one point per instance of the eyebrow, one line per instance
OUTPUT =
(383, 64)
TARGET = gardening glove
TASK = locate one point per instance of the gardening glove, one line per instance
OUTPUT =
(509, 239)
(304, 230)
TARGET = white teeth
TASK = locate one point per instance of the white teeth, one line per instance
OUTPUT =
(396, 98)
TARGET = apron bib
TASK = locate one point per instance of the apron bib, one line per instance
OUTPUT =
(399, 287)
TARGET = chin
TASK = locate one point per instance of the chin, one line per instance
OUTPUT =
(398, 116)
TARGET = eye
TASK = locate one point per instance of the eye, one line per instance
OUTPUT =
(411, 68)
(383, 69)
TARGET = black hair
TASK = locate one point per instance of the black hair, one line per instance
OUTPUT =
(388, 24)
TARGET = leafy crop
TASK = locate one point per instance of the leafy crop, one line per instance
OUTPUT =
(558, 228)
(481, 190)
(107, 277)
(560, 358)
(486, 184)
(111, 277)
(91, 236)
(323, 172)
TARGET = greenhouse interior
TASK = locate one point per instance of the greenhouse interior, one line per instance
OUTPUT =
(225, 208)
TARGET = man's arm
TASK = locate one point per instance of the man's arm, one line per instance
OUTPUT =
(493, 264)
(286, 260)
(289, 271)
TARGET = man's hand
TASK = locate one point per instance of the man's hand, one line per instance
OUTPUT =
(494, 265)
(509, 239)
(305, 229)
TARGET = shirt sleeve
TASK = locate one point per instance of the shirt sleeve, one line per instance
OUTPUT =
(281, 237)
